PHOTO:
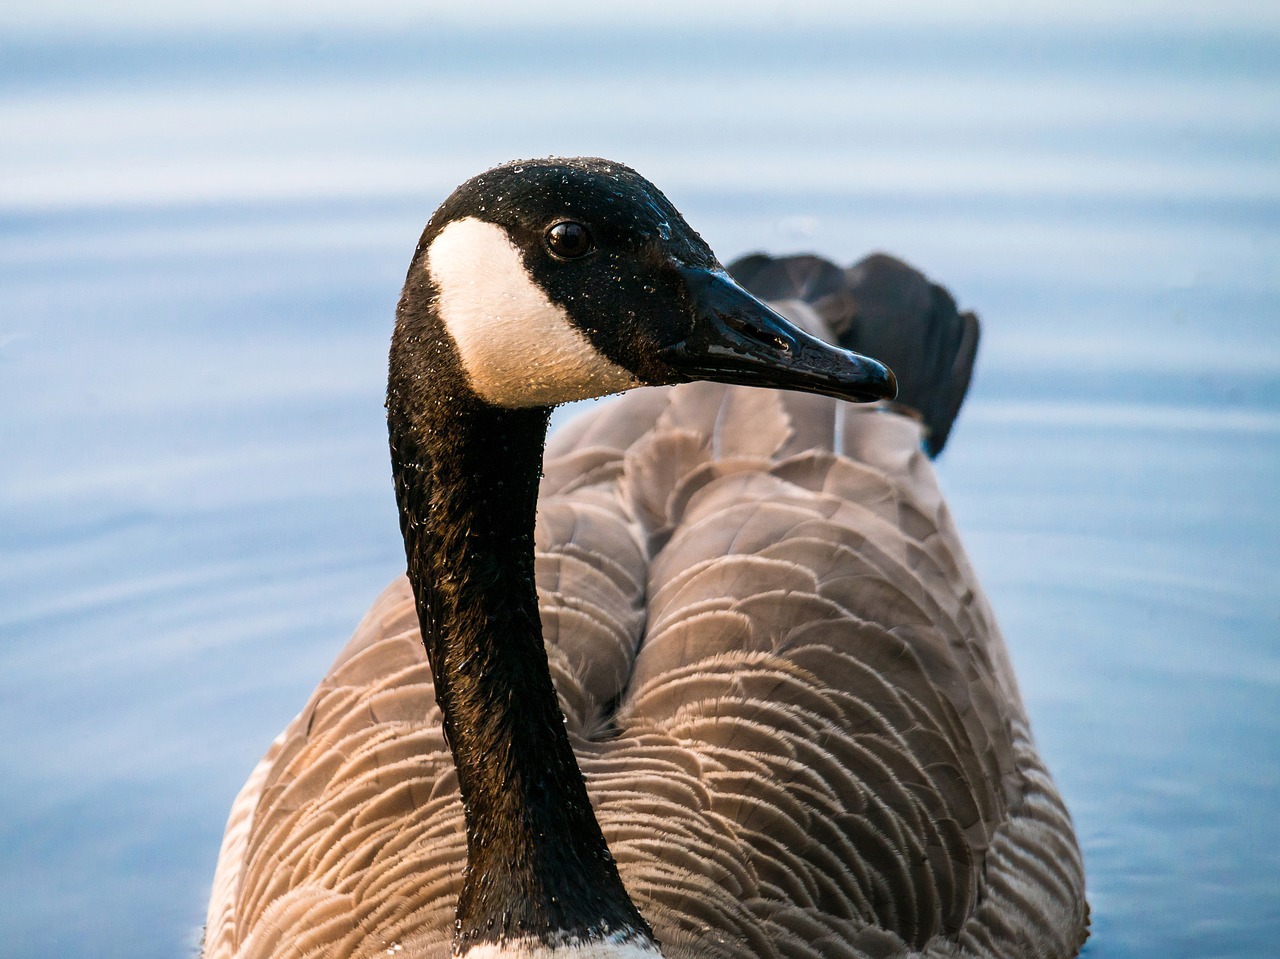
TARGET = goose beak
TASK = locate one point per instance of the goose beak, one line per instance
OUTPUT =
(737, 339)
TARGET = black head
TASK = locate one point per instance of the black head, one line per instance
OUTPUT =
(561, 279)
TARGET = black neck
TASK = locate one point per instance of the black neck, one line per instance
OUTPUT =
(467, 485)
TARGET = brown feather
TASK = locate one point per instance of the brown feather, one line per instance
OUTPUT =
(793, 710)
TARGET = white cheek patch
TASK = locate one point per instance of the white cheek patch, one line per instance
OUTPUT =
(517, 347)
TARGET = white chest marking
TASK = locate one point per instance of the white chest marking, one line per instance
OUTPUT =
(517, 347)
(592, 949)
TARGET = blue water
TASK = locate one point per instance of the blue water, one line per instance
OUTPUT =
(204, 222)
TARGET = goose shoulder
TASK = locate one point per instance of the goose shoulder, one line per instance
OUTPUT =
(788, 695)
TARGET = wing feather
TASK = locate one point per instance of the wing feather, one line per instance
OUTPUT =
(792, 706)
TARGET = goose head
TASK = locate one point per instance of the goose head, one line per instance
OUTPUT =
(542, 282)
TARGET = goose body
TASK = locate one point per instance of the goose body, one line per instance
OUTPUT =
(795, 719)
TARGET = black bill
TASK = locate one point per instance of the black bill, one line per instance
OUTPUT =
(737, 339)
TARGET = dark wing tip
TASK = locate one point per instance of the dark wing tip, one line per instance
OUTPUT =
(883, 308)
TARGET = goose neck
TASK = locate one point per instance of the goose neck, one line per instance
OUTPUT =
(538, 866)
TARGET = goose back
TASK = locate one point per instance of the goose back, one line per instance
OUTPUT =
(788, 695)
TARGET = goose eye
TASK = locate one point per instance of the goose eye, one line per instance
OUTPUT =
(569, 240)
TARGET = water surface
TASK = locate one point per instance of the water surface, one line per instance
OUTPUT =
(203, 230)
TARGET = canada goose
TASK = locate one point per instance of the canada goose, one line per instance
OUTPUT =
(797, 723)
